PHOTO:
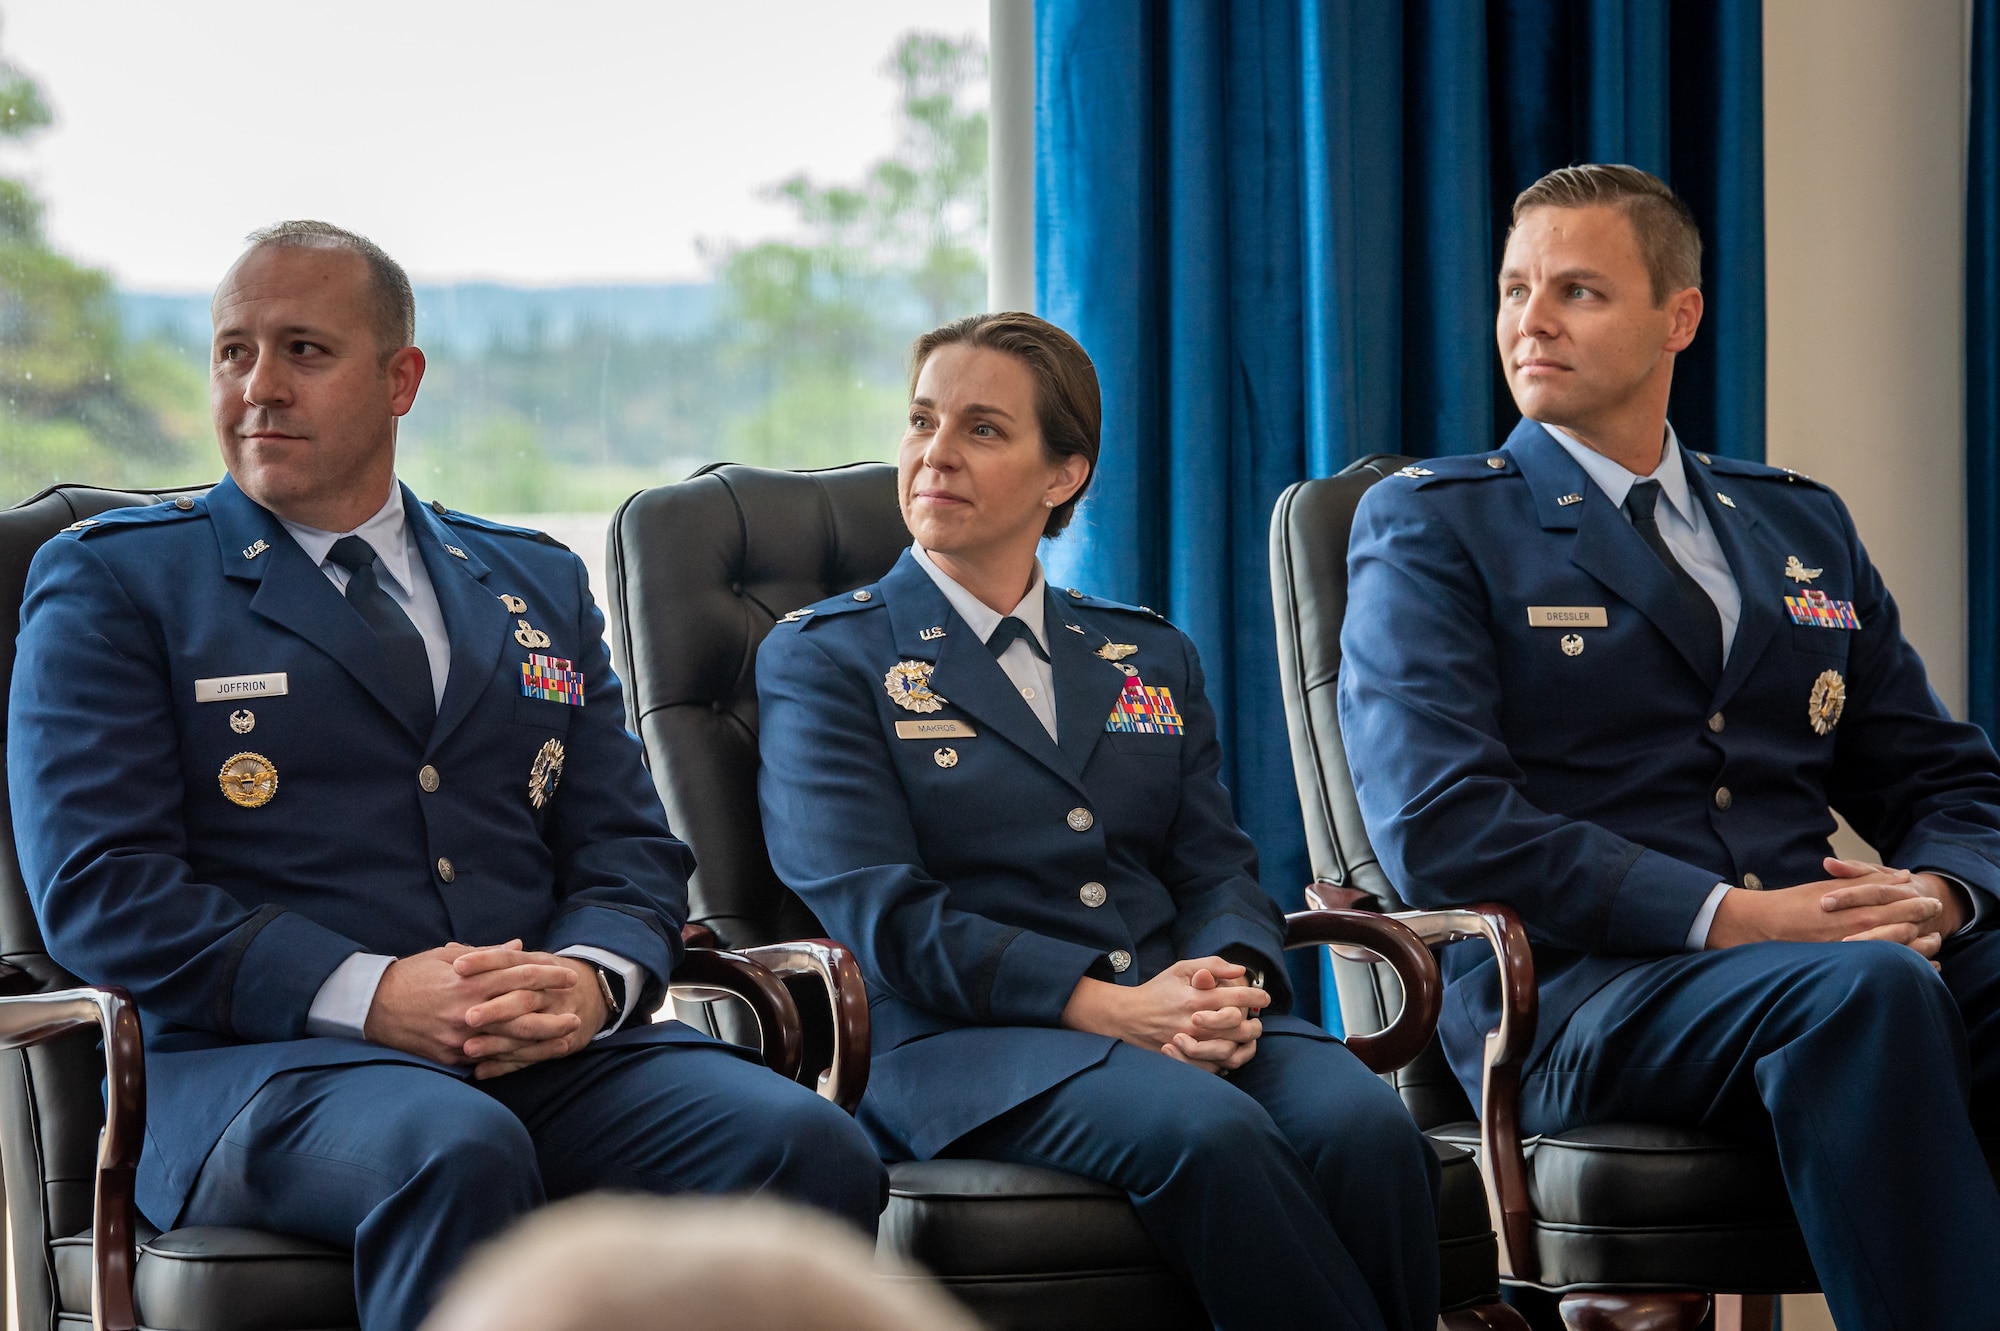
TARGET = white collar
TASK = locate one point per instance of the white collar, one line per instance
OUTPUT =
(980, 617)
(384, 531)
(1616, 482)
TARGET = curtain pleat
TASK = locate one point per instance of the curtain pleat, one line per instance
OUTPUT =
(1274, 224)
(1982, 370)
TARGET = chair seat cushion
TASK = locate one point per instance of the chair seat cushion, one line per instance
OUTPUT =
(214, 1279)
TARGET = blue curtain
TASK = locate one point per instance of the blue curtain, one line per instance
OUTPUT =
(1274, 225)
(1982, 369)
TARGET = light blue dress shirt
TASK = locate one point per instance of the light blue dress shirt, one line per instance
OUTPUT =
(1033, 676)
(341, 1005)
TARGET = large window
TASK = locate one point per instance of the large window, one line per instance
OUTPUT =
(644, 235)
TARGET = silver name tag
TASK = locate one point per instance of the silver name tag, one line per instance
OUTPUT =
(1567, 617)
(229, 688)
(934, 730)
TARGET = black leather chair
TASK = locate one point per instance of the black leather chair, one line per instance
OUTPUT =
(1636, 1225)
(70, 1151)
(699, 571)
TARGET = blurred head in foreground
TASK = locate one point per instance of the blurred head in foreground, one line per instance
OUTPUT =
(693, 1264)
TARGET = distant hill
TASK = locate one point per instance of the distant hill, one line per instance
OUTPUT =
(470, 317)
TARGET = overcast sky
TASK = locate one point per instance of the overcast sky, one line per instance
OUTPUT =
(526, 142)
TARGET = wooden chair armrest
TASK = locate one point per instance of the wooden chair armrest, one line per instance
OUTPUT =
(1383, 935)
(30, 1019)
(1502, 1161)
(706, 974)
(846, 1077)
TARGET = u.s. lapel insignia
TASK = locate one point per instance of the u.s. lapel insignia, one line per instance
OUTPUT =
(1727, 502)
(1564, 501)
(1829, 698)
(256, 548)
(1798, 572)
(515, 605)
(909, 686)
(249, 780)
(1116, 651)
(931, 634)
(546, 772)
(455, 552)
(529, 636)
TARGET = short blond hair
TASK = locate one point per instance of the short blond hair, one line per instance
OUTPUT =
(1662, 221)
(691, 1264)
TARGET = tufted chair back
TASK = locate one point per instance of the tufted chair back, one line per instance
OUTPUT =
(699, 571)
(51, 1107)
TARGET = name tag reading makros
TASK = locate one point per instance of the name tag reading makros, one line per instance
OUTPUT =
(934, 730)
(230, 688)
(1566, 617)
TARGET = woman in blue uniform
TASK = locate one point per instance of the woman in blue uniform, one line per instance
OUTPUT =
(1004, 797)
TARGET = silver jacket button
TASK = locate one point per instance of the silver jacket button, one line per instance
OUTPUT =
(445, 871)
(1723, 799)
(1080, 820)
(864, 595)
(427, 777)
(1091, 894)
(1121, 961)
(1753, 882)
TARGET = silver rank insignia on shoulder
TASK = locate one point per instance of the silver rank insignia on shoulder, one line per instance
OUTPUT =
(793, 616)
(81, 524)
(528, 635)
(931, 634)
(909, 686)
(1566, 500)
(515, 605)
(1727, 502)
(546, 772)
(1798, 572)
(1416, 472)
(1116, 651)
(253, 550)
(1829, 698)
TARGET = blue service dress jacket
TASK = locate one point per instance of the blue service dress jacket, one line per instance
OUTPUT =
(223, 918)
(1524, 727)
(979, 869)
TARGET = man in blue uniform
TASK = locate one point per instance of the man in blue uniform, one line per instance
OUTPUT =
(1616, 683)
(336, 783)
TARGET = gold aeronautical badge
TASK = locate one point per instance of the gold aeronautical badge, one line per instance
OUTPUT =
(909, 686)
(1798, 572)
(249, 780)
(1116, 651)
(546, 772)
(1829, 696)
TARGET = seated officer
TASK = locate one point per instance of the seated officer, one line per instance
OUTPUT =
(1004, 798)
(1616, 683)
(337, 784)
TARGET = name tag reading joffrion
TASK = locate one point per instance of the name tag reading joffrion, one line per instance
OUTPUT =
(231, 688)
(935, 730)
(1567, 617)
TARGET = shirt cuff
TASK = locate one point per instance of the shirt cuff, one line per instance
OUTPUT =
(1983, 905)
(627, 971)
(341, 1005)
(1704, 918)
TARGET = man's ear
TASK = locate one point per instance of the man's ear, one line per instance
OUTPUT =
(405, 371)
(1684, 309)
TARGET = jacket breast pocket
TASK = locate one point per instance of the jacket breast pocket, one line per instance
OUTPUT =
(542, 713)
(1149, 746)
(1819, 641)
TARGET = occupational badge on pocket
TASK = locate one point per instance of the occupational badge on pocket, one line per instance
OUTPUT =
(909, 686)
(1829, 698)
(249, 780)
(1143, 710)
(546, 772)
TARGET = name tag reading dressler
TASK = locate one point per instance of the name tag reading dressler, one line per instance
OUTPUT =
(1567, 617)
(233, 688)
(934, 730)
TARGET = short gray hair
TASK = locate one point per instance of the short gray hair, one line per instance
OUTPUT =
(395, 303)
(1663, 223)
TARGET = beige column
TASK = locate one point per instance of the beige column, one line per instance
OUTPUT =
(1864, 143)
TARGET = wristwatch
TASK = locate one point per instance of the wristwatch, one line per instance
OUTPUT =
(610, 987)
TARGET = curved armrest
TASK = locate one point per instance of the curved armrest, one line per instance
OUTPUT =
(706, 974)
(29, 1019)
(1423, 988)
(1502, 1162)
(846, 1077)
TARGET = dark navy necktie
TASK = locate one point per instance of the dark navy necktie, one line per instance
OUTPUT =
(1011, 628)
(1701, 621)
(402, 646)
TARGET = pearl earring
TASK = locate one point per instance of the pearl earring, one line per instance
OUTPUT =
(1048, 503)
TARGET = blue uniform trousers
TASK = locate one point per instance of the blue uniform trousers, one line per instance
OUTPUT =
(1857, 1061)
(413, 1167)
(1297, 1192)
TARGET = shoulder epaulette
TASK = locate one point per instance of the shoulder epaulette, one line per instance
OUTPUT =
(1725, 466)
(861, 598)
(458, 519)
(1075, 597)
(138, 515)
(1458, 467)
